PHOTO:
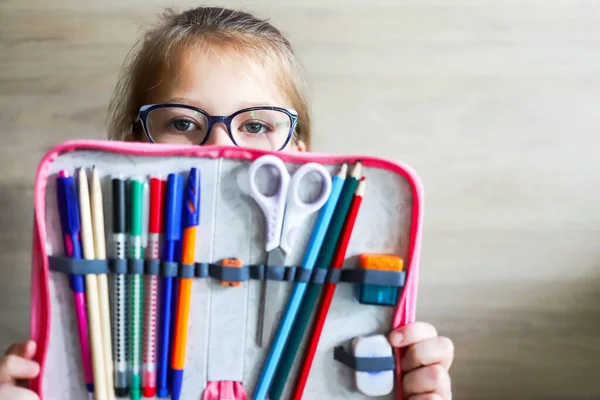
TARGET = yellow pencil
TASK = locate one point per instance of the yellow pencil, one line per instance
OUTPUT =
(100, 252)
(91, 290)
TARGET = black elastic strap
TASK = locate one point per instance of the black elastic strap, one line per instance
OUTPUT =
(303, 275)
(135, 267)
(187, 270)
(72, 266)
(169, 269)
(202, 270)
(275, 273)
(257, 272)
(229, 274)
(118, 266)
(152, 267)
(319, 275)
(232, 274)
(364, 364)
(334, 275)
(373, 277)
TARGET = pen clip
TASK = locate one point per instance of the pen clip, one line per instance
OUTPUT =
(173, 203)
(191, 207)
(69, 205)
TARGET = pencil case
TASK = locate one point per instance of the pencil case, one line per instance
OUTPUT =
(223, 358)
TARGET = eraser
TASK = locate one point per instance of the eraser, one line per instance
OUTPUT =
(373, 383)
(375, 294)
(232, 262)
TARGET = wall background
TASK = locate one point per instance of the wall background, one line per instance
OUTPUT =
(494, 103)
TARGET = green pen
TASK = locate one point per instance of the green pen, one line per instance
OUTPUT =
(135, 287)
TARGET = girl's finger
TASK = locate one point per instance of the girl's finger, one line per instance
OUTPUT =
(24, 349)
(16, 349)
(433, 379)
(439, 350)
(428, 396)
(7, 391)
(30, 349)
(411, 334)
(14, 367)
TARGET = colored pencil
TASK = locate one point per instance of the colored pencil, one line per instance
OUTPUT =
(100, 252)
(91, 286)
(313, 290)
(295, 298)
(136, 299)
(155, 229)
(190, 222)
(68, 208)
(328, 292)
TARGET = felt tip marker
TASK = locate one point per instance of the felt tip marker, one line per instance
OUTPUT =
(119, 243)
(135, 287)
(155, 230)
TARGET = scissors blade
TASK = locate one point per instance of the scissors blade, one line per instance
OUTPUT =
(276, 257)
(273, 299)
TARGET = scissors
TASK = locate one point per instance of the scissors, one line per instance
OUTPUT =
(284, 213)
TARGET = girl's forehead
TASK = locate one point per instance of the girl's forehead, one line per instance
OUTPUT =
(219, 83)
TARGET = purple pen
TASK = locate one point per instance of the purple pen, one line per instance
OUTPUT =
(68, 208)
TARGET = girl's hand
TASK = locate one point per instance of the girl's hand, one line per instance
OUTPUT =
(425, 362)
(15, 366)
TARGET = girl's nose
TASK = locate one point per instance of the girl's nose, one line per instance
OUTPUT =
(218, 136)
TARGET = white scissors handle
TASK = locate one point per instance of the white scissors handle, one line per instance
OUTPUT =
(297, 210)
(274, 206)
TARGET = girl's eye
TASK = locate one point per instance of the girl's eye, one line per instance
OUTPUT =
(183, 125)
(255, 127)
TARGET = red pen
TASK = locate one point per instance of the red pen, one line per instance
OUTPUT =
(155, 230)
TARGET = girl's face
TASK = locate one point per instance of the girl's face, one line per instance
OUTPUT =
(220, 87)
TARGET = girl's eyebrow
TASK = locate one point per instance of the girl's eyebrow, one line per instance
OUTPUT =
(180, 100)
(188, 102)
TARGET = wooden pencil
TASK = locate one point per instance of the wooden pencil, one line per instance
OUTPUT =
(91, 290)
(100, 253)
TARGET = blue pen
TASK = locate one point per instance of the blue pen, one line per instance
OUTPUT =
(190, 222)
(293, 304)
(172, 236)
(68, 209)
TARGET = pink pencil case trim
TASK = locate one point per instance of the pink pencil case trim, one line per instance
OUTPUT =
(40, 303)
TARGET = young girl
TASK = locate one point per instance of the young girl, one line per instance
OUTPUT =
(221, 77)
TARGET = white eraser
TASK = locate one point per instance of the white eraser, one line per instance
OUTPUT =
(373, 383)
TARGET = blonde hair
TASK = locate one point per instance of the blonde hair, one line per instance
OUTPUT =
(206, 28)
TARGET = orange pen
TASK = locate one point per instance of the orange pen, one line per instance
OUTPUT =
(190, 222)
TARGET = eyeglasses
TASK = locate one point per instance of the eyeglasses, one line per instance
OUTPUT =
(266, 128)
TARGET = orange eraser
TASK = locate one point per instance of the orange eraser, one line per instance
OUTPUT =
(381, 262)
(232, 262)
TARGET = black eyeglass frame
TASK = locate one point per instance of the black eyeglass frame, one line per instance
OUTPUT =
(214, 119)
